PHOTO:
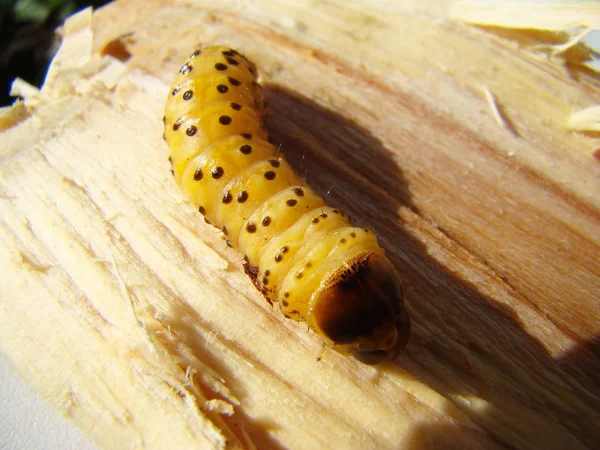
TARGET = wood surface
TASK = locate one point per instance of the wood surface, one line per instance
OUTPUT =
(131, 316)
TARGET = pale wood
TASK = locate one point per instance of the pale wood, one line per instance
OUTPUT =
(132, 317)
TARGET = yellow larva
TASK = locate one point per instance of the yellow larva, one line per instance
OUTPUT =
(299, 252)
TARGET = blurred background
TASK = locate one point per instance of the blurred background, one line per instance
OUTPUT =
(28, 39)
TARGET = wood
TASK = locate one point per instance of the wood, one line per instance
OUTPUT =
(133, 318)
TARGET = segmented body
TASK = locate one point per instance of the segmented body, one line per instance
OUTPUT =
(297, 249)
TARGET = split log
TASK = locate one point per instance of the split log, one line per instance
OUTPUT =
(133, 318)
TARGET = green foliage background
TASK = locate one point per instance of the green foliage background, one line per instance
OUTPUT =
(37, 10)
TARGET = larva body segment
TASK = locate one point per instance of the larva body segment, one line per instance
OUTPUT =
(299, 252)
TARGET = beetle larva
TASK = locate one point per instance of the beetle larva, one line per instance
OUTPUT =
(299, 252)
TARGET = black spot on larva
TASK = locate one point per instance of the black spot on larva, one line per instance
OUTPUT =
(246, 135)
(196, 53)
(299, 192)
(173, 172)
(353, 234)
(201, 210)
(299, 273)
(274, 163)
(266, 221)
(265, 281)
(284, 249)
(175, 92)
(220, 67)
(225, 230)
(236, 106)
(291, 202)
(335, 211)
(229, 243)
(278, 257)
(170, 159)
(176, 125)
(228, 53)
(250, 227)
(315, 220)
(366, 230)
(191, 130)
(270, 175)
(217, 172)
(324, 216)
(284, 303)
(252, 71)
(309, 264)
(246, 259)
(207, 221)
(342, 240)
(234, 82)
(232, 61)
(286, 294)
(267, 273)
(246, 149)
(186, 69)
(222, 88)
(242, 197)
(164, 136)
(187, 95)
(227, 197)
(198, 174)
(224, 120)
(164, 119)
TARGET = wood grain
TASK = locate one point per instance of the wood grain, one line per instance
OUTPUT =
(132, 317)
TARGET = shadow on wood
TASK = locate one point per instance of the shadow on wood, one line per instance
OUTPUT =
(465, 345)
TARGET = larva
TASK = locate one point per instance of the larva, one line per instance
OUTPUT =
(299, 252)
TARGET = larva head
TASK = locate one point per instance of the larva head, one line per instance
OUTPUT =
(360, 309)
